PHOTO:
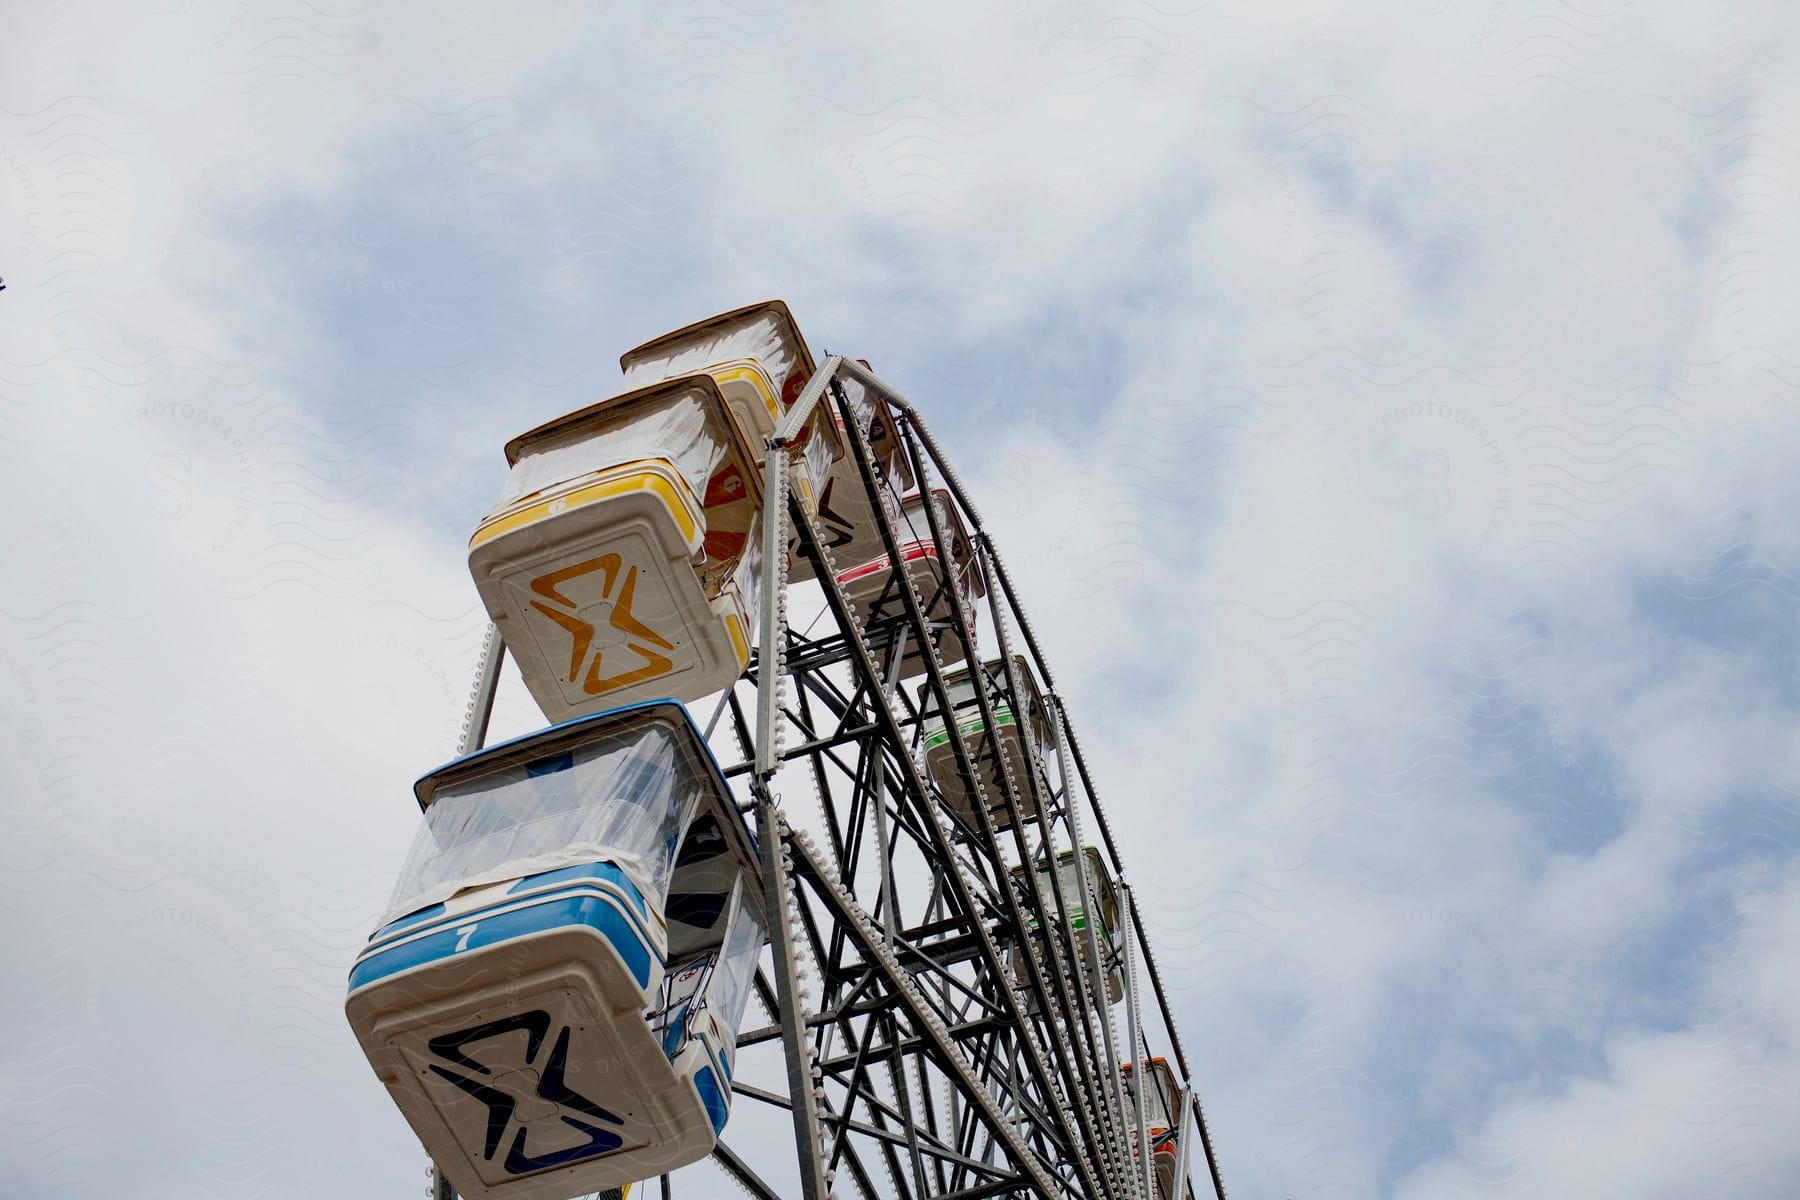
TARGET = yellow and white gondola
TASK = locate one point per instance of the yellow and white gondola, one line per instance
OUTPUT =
(520, 1001)
(622, 561)
(760, 361)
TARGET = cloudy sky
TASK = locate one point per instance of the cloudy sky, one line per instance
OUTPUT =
(1388, 411)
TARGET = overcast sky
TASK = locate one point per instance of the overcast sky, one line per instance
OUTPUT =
(1388, 411)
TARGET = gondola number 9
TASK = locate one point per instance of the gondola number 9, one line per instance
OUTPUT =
(467, 931)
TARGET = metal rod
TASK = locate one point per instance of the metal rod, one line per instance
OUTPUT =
(1181, 1141)
(774, 580)
(481, 696)
(740, 1170)
(1206, 1146)
(889, 899)
(796, 417)
(787, 991)
(903, 1098)
(718, 711)
(996, 1188)
(1139, 1066)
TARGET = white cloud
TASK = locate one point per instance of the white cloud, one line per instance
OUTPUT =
(1701, 1109)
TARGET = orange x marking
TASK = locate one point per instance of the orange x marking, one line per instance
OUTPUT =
(582, 633)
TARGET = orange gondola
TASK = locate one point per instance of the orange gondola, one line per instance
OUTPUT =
(1162, 1111)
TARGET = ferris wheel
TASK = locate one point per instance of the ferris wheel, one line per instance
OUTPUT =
(809, 849)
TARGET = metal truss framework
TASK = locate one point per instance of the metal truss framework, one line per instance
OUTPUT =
(955, 1040)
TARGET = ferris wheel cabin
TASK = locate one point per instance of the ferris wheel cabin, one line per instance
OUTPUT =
(1100, 908)
(849, 516)
(1162, 1113)
(622, 561)
(553, 999)
(1021, 736)
(760, 362)
(873, 587)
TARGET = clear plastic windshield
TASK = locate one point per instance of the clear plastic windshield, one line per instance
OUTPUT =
(627, 794)
(915, 526)
(680, 427)
(961, 686)
(1071, 888)
(876, 423)
(1100, 890)
(1098, 904)
(859, 404)
(817, 455)
(715, 979)
(746, 574)
(759, 335)
(737, 963)
(1161, 1097)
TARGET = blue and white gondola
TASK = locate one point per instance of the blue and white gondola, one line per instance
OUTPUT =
(543, 1021)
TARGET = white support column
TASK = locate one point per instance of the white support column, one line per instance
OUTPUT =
(1103, 1011)
(1138, 1065)
(1182, 1134)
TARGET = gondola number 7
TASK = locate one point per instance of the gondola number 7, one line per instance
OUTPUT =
(462, 943)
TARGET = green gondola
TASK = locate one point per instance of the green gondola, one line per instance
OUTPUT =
(1101, 904)
(1023, 743)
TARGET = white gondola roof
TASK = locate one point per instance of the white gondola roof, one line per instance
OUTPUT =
(602, 409)
(778, 308)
